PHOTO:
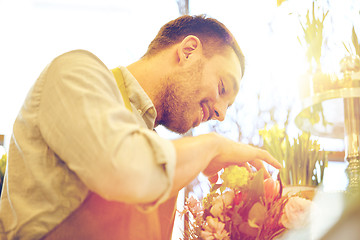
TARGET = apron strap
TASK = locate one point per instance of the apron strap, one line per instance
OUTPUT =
(121, 85)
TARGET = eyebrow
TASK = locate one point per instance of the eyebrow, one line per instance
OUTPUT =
(235, 83)
(235, 86)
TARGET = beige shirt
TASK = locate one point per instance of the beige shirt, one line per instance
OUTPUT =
(74, 135)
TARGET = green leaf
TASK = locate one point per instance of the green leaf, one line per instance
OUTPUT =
(252, 223)
(236, 219)
(246, 229)
(257, 215)
(355, 42)
(257, 186)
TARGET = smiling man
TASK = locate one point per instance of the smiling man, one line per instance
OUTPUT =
(197, 89)
(84, 161)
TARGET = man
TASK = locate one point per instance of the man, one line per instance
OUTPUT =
(82, 165)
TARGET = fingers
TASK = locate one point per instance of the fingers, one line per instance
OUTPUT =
(268, 158)
(255, 163)
(213, 179)
(259, 156)
(250, 153)
(246, 165)
(259, 165)
(232, 153)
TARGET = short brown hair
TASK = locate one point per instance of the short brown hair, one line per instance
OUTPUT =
(210, 32)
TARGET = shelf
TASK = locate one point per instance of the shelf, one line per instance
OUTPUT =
(332, 102)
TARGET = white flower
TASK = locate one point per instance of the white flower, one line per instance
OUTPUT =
(296, 213)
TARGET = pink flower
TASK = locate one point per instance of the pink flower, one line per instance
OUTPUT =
(220, 202)
(228, 197)
(296, 213)
(214, 229)
(272, 189)
(238, 198)
(194, 206)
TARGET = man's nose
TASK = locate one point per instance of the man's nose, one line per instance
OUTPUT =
(220, 111)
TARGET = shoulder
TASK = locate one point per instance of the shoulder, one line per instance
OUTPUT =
(78, 57)
(77, 69)
(80, 65)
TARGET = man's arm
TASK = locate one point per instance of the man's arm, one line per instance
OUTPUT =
(83, 120)
(211, 152)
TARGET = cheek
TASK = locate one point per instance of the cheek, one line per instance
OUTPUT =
(209, 91)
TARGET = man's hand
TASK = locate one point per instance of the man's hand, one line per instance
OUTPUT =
(234, 153)
(209, 153)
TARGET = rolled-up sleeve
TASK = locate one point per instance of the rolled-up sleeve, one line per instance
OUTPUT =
(84, 121)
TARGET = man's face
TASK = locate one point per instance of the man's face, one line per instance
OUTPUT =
(200, 91)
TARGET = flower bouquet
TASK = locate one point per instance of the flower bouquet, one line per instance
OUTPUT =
(244, 206)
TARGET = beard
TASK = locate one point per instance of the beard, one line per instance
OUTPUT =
(180, 100)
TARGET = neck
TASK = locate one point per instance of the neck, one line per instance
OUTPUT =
(151, 73)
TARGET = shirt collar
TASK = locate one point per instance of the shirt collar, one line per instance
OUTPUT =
(139, 99)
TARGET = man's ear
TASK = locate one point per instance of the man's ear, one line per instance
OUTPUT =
(188, 48)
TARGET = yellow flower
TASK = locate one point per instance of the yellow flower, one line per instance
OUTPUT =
(278, 132)
(3, 164)
(235, 176)
(265, 134)
(273, 134)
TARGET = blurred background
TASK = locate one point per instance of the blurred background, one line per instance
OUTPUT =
(270, 33)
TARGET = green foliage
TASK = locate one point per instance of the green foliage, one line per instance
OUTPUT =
(315, 114)
(355, 44)
(256, 185)
(303, 162)
(313, 35)
(208, 199)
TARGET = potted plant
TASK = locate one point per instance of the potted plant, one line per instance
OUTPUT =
(302, 160)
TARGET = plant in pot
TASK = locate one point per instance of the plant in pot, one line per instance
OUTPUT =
(302, 159)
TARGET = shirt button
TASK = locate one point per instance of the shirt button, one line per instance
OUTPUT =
(139, 110)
